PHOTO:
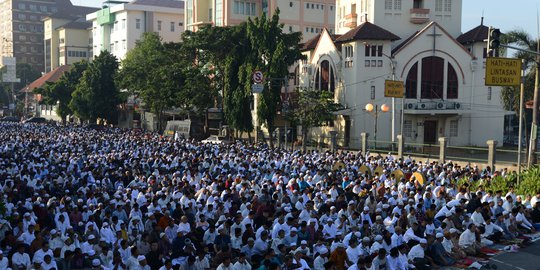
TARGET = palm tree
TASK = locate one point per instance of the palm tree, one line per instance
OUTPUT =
(510, 95)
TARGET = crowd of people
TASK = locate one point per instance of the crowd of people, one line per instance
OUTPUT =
(79, 198)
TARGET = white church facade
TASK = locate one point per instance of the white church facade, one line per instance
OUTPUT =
(417, 42)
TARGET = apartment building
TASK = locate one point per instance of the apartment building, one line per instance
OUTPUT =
(67, 40)
(117, 27)
(308, 17)
(22, 31)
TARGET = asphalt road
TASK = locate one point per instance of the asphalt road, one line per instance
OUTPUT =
(526, 259)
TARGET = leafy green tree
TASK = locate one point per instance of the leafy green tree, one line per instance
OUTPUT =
(314, 108)
(163, 75)
(96, 95)
(27, 74)
(272, 52)
(60, 92)
(237, 82)
(510, 95)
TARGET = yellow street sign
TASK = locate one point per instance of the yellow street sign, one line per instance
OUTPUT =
(503, 71)
(394, 89)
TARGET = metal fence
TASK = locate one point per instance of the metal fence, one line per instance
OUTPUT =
(429, 151)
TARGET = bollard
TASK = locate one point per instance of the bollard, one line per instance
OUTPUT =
(492, 146)
(400, 146)
(442, 149)
(333, 141)
(364, 138)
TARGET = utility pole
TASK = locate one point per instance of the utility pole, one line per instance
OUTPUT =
(531, 160)
(520, 132)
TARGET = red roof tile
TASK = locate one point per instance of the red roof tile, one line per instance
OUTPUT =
(52, 76)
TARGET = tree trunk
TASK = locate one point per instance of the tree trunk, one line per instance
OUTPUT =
(304, 139)
(271, 136)
(249, 137)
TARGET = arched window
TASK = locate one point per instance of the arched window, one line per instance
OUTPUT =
(324, 78)
(432, 78)
(452, 83)
(412, 82)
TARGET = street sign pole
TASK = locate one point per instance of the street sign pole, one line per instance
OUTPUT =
(520, 132)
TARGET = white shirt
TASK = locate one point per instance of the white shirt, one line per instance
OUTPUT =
(477, 219)
(40, 254)
(394, 263)
(447, 244)
(467, 239)
(318, 263)
(354, 253)
(48, 266)
(20, 259)
(4, 263)
(416, 252)
(241, 266)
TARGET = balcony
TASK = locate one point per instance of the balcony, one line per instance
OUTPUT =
(419, 15)
(351, 20)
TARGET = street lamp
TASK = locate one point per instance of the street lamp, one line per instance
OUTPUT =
(374, 110)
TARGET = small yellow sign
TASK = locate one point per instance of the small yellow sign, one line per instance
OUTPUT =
(503, 71)
(394, 89)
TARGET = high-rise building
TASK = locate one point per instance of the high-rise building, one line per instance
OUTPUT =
(21, 27)
(308, 17)
(118, 27)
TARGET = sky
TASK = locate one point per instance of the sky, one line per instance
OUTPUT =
(503, 14)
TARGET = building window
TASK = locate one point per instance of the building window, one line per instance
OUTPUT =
(123, 24)
(312, 6)
(32, 28)
(43, 8)
(397, 4)
(137, 23)
(22, 38)
(307, 5)
(379, 63)
(372, 93)
(447, 5)
(407, 128)
(172, 26)
(438, 5)
(33, 17)
(367, 63)
(290, 28)
(159, 25)
(22, 6)
(307, 29)
(54, 9)
(61, 41)
(33, 7)
(411, 82)
(290, 4)
(489, 93)
(453, 128)
(432, 78)
(388, 4)
(22, 27)
(21, 16)
(452, 83)
(324, 77)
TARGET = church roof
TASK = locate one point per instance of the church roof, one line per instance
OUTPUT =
(312, 43)
(477, 34)
(404, 42)
(367, 31)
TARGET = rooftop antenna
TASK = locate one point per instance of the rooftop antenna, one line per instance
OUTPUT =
(482, 19)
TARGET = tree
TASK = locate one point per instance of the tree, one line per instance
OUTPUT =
(510, 95)
(97, 96)
(163, 75)
(60, 92)
(273, 51)
(314, 108)
(237, 94)
(27, 74)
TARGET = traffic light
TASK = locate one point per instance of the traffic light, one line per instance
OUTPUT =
(493, 42)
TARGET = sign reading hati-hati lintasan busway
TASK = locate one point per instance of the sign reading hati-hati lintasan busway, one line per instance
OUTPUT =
(503, 71)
